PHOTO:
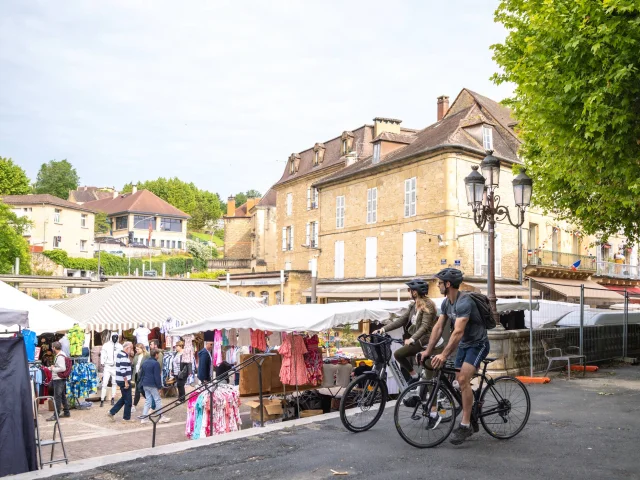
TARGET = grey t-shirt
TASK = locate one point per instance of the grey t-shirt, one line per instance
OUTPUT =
(465, 307)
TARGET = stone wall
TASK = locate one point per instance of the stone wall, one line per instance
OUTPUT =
(600, 343)
(44, 264)
(237, 237)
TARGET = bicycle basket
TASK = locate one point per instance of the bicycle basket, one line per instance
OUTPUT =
(376, 347)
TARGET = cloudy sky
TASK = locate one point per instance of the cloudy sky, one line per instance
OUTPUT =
(220, 93)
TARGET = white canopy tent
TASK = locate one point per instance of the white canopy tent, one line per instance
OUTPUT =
(314, 317)
(42, 319)
(127, 304)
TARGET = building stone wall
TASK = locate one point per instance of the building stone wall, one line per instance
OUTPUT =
(237, 237)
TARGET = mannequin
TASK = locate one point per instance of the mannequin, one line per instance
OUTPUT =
(108, 362)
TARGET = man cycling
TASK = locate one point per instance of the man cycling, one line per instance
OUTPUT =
(418, 322)
(469, 336)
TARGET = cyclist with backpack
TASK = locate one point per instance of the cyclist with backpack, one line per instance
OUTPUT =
(469, 336)
(60, 371)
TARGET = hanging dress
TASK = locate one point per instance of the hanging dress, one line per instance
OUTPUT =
(293, 370)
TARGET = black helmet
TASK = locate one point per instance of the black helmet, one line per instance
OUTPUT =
(452, 275)
(419, 286)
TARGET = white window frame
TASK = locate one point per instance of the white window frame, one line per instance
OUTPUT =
(377, 147)
(487, 137)
(284, 239)
(481, 254)
(372, 205)
(83, 245)
(309, 198)
(83, 220)
(316, 159)
(410, 197)
(340, 209)
(57, 241)
(56, 215)
(344, 147)
(314, 234)
(290, 238)
(307, 241)
(314, 198)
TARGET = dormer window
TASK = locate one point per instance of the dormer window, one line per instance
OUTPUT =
(294, 163)
(344, 147)
(318, 154)
(316, 159)
(487, 137)
(346, 142)
(376, 152)
(292, 166)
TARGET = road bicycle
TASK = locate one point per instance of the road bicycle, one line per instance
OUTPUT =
(502, 406)
(364, 399)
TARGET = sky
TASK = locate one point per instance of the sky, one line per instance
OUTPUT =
(220, 93)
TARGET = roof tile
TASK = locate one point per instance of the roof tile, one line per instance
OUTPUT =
(143, 201)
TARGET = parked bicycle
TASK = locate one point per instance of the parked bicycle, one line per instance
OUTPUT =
(425, 412)
(365, 397)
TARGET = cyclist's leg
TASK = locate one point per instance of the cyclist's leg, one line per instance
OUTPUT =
(468, 360)
(404, 353)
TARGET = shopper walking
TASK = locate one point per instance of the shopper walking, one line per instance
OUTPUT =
(205, 362)
(138, 360)
(152, 383)
(123, 379)
(155, 343)
(181, 370)
(58, 368)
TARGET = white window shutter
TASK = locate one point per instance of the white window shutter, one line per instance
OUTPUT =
(407, 198)
(371, 255)
(408, 254)
(478, 253)
(498, 246)
(284, 239)
(374, 205)
(315, 233)
(413, 196)
(308, 198)
(308, 234)
(369, 205)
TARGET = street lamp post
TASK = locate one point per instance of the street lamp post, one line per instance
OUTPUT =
(484, 201)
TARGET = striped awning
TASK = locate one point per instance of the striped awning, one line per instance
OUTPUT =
(129, 303)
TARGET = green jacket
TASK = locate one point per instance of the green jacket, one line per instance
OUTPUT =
(421, 330)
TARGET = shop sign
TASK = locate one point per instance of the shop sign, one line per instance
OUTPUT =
(443, 261)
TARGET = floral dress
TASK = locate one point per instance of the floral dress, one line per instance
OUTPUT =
(293, 370)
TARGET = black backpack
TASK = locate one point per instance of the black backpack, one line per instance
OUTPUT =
(484, 307)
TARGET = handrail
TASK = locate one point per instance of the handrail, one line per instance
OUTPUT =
(211, 386)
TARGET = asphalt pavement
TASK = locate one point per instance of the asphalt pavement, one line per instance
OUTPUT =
(581, 429)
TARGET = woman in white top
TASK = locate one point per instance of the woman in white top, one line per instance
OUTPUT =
(138, 360)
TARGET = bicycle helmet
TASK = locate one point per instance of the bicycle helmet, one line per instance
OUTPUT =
(452, 275)
(419, 286)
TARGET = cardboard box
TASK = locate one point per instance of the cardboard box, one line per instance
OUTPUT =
(272, 409)
(310, 413)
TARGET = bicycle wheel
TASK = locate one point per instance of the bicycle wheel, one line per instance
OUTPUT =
(505, 407)
(363, 403)
(412, 415)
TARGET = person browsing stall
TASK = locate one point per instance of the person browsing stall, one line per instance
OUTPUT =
(150, 380)
(123, 380)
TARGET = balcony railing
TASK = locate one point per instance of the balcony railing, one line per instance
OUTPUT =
(229, 263)
(618, 270)
(548, 258)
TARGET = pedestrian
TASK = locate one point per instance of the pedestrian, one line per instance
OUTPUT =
(123, 380)
(138, 360)
(152, 383)
(142, 335)
(59, 384)
(155, 343)
(205, 362)
(181, 370)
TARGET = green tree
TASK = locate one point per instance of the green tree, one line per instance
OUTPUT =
(241, 198)
(13, 179)
(101, 223)
(57, 178)
(202, 205)
(253, 194)
(575, 66)
(12, 243)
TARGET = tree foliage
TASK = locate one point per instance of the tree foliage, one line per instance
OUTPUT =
(13, 179)
(12, 243)
(241, 198)
(575, 66)
(202, 205)
(57, 178)
(101, 223)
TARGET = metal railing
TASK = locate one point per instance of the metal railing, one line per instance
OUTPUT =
(618, 270)
(229, 263)
(550, 258)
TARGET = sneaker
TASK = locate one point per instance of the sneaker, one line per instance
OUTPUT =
(165, 419)
(67, 415)
(113, 402)
(411, 401)
(101, 403)
(113, 418)
(144, 420)
(460, 434)
(142, 417)
(51, 418)
(433, 422)
(133, 409)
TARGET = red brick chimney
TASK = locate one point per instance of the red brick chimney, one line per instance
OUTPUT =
(443, 106)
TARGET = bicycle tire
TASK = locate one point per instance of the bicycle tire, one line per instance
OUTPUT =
(518, 408)
(420, 417)
(364, 392)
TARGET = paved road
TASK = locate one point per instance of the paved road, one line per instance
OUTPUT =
(581, 429)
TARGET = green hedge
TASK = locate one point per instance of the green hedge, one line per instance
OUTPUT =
(119, 265)
(209, 275)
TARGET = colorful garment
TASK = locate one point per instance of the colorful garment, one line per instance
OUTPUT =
(83, 381)
(245, 337)
(258, 340)
(217, 348)
(293, 370)
(76, 340)
(313, 360)
(233, 337)
(187, 352)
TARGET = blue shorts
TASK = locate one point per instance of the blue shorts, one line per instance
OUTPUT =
(473, 354)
